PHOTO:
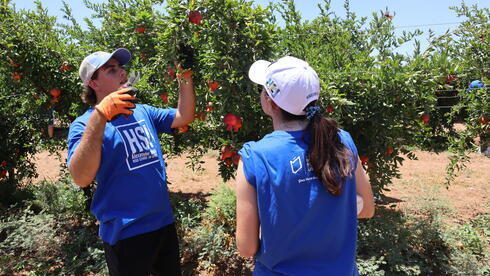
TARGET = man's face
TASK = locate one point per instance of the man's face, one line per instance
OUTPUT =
(111, 77)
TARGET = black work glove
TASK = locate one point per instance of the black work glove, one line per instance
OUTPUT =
(185, 56)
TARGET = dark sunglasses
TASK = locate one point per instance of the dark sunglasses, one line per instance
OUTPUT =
(260, 88)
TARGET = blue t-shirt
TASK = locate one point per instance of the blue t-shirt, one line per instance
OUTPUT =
(305, 230)
(131, 196)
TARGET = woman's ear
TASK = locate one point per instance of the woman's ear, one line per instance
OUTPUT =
(93, 84)
(273, 104)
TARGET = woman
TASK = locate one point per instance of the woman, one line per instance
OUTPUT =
(296, 188)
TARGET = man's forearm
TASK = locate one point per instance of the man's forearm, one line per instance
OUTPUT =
(187, 99)
(86, 158)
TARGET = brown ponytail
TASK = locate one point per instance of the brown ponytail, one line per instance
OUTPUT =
(329, 158)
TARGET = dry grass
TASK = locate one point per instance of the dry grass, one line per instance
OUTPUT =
(423, 181)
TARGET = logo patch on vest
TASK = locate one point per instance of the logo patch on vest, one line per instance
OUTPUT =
(303, 173)
(140, 145)
(296, 165)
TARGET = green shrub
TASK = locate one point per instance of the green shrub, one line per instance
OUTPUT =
(52, 233)
(81, 251)
(188, 211)
(371, 266)
(59, 197)
(395, 244)
(28, 240)
(221, 209)
(207, 235)
(216, 234)
(392, 243)
(470, 243)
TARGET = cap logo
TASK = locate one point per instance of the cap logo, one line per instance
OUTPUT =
(93, 58)
(272, 87)
(311, 95)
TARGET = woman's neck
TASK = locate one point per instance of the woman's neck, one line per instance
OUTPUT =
(289, 125)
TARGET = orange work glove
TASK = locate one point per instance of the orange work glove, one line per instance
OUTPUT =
(118, 102)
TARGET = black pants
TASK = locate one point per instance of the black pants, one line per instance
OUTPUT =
(152, 253)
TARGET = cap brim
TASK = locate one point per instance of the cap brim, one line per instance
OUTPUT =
(122, 55)
(257, 71)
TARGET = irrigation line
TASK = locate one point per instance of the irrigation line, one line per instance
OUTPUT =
(386, 26)
(401, 73)
(447, 97)
(427, 25)
(461, 89)
(441, 107)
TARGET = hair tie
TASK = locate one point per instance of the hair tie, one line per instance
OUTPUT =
(312, 111)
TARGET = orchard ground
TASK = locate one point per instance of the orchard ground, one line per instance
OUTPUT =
(421, 184)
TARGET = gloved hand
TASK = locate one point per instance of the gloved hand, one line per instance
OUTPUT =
(185, 56)
(116, 103)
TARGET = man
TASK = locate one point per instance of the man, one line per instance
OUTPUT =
(123, 154)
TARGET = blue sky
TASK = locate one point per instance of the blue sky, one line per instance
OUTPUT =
(408, 12)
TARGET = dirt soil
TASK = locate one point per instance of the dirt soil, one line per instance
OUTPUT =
(422, 181)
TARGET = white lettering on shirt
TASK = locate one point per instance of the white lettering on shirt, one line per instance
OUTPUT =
(148, 134)
(132, 140)
(141, 135)
(141, 149)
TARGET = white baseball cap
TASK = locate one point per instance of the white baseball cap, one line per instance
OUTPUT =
(290, 82)
(94, 61)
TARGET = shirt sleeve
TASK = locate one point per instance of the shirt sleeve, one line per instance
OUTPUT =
(74, 137)
(248, 163)
(162, 118)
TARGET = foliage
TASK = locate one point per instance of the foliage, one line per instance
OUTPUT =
(209, 244)
(29, 237)
(470, 246)
(389, 244)
(376, 93)
(37, 236)
(396, 244)
(392, 243)
(187, 211)
(33, 52)
(47, 241)
(56, 197)
(466, 49)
